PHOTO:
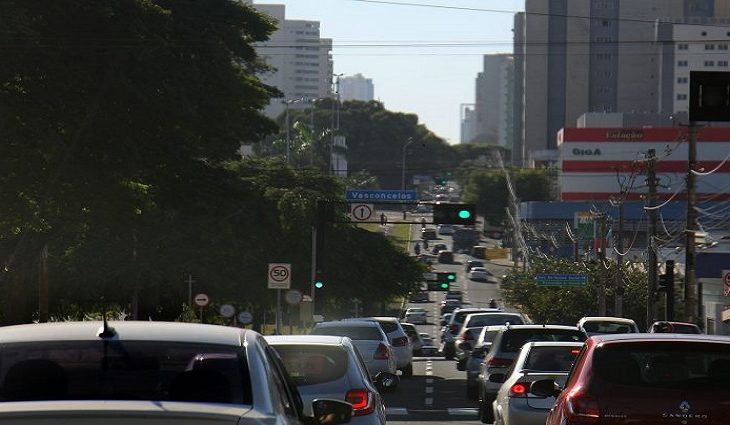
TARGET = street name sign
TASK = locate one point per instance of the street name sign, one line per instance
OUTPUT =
(561, 279)
(279, 275)
(381, 195)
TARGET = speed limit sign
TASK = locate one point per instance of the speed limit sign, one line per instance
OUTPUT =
(279, 275)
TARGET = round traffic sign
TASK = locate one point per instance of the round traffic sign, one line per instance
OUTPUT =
(279, 273)
(293, 297)
(227, 310)
(362, 212)
(201, 300)
(245, 317)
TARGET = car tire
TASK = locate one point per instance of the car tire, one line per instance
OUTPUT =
(408, 370)
(472, 393)
(461, 365)
(486, 412)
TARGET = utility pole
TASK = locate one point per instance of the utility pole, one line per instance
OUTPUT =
(602, 262)
(652, 183)
(692, 308)
(619, 292)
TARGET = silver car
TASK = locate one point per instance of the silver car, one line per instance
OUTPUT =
(331, 367)
(515, 405)
(473, 325)
(398, 339)
(156, 373)
(368, 338)
(476, 357)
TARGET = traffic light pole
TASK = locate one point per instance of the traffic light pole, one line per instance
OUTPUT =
(313, 274)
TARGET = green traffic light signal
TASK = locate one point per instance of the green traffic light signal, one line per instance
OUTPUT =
(464, 214)
(451, 276)
(319, 283)
(444, 285)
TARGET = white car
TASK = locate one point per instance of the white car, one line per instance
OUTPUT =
(398, 339)
(156, 373)
(481, 274)
(597, 325)
(416, 315)
(370, 340)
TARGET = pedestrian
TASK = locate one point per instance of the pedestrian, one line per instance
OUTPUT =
(383, 219)
(425, 243)
(417, 248)
(423, 222)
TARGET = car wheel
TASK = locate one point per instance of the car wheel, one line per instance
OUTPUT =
(461, 365)
(486, 414)
(472, 393)
(408, 370)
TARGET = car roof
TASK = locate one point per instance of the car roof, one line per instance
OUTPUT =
(605, 319)
(349, 322)
(306, 339)
(126, 331)
(653, 337)
(553, 344)
(546, 326)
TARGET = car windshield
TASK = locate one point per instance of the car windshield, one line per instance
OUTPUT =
(514, 339)
(494, 319)
(312, 364)
(550, 359)
(353, 332)
(665, 364)
(130, 370)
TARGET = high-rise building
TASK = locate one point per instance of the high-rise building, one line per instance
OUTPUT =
(301, 61)
(493, 106)
(356, 87)
(468, 123)
(579, 56)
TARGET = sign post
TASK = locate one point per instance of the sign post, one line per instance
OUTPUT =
(279, 278)
(202, 301)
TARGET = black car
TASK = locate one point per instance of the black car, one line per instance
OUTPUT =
(473, 263)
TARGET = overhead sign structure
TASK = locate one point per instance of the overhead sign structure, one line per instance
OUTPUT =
(561, 279)
(726, 281)
(362, 212)
(201, 300)
(279, 275)
(381, 195)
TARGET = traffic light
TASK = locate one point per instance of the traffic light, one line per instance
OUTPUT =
(318, 283)
(666, 284)
(454, 214)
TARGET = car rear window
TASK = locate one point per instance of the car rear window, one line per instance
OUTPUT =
(514, 339)
(387, 326)
(129, 370)
(551, 359)
(608, 327)
(490, 335)
(353, 332)
(311, 365)
(671, 365)
(495, 319)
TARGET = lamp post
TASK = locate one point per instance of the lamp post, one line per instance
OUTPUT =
(403, 172)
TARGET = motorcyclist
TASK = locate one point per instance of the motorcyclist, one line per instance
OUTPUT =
(492, 303)
(417, 248)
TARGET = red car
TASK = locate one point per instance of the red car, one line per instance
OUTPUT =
(644, 379)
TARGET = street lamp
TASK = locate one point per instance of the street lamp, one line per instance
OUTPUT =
(403, 172)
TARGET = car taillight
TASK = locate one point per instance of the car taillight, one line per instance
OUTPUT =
(582, 407)
(381, 353)
(499, 362)
(454, 329)
(361, 400)
(401, 341)
(518, 390)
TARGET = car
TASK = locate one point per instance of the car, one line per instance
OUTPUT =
(476, 356)
(515, 405)
(644, 378)
(369, 338)
(481, 274)
(453, 327)
(416, 316)
(331, 367)
(449, 305)
(454, 294)
(473, 263)
(398, 339)
(674, 327)
(598, 325)
(419, 297)
(445, 257)
(429, 233)
(503, 352)
(416, 341)
(473, 325)
(426, 338)
(445, 229)
(439, 247)
(148, 372)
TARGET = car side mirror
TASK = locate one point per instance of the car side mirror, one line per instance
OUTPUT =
(331, 412)
(545, 388)
(386, 382)
(497, 378)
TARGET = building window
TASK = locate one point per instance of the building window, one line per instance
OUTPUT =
(709, 63)
(709, 47)
(722, 63)
(704, 33)
(722, 47)
(681, 97)
(682, 80)
(682, 63)
(682, 46)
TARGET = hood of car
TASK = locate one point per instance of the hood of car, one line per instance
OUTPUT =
(83, 412)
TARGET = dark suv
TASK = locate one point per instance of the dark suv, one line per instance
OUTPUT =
(643, 379)
(504, 350)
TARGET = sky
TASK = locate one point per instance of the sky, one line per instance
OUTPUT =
(422, 55)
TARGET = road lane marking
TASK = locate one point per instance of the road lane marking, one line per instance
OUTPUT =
(463, 411)
(429, 401)
(429, 381)
(429, 390)
(396, 411)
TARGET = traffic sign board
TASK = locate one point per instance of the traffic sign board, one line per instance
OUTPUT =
(561, 279)
(245, 317)
(381, 195)
(227, 310)
(279, 275)
(362, 212)
(293, 297)
(726, 280)
(201, 300)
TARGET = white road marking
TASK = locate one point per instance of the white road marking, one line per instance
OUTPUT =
(429, 390)
(396, 411)
(429, 381)
(463, 411)
(429, 401)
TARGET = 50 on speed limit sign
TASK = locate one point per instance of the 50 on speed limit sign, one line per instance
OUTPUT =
(279, 275)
